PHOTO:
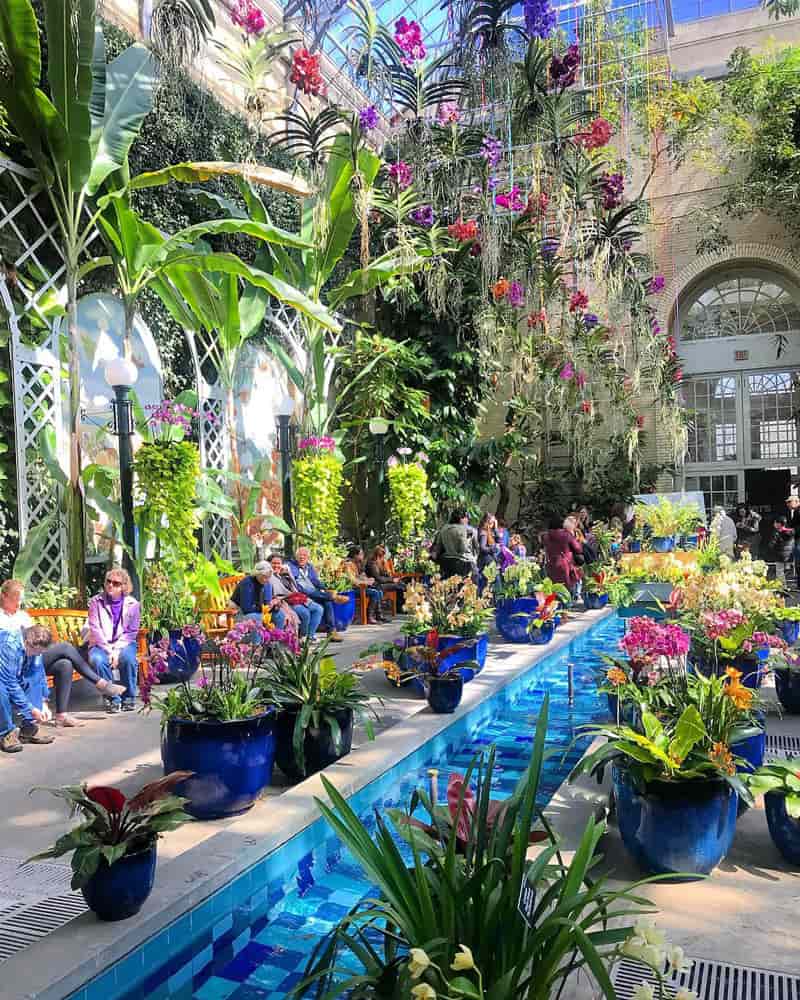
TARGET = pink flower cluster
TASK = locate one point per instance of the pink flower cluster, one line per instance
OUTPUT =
(598, 134)
(648, 639)
(511, 199)
(448, 113)
(249, 17)
(315, 443)
(718, 624)
(401, 174)
(237, 645)
(408, 35)
(167, 414)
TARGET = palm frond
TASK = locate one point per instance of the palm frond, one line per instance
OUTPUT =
(308, 138)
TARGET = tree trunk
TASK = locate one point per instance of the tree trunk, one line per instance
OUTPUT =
(233, 443)
(73, 499)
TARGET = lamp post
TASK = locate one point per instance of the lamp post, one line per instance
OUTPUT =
(121, 374)
(285, 409)
(379, 428)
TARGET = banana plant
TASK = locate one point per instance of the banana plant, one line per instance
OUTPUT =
(78, 138)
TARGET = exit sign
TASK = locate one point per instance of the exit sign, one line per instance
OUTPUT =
(741, 355)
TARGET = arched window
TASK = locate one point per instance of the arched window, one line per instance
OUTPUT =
(749, 301)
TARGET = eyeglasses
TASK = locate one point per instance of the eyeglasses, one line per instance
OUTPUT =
(114, 583)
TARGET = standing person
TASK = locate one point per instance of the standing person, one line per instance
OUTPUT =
(563, 552)
(779, 547)
(354, 566)
(285, 587)
(488, 546)
(793, 520)
(310, 584)
(454, 548)
(748, 526)
(114, 620)
(503, 534)
(23, 687)
(725, 531)
(378, 569)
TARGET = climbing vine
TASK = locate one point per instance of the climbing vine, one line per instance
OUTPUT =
(409, 496)
(318, 481)
(166, 474)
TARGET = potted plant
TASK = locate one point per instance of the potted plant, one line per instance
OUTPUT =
(515, 598)
(221, 727)
(542, 625)
(689, 520)
(317, 704)
(787, 621)
(426, 664)
(169, 615)
(334, 578)
(453, 609)
(779, 783)
(594, 590)
(114, 848)
(662, 520)
(786, 669)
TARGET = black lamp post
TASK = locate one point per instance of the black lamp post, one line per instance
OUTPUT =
(285, 434)
(379, 428)
(121, 375)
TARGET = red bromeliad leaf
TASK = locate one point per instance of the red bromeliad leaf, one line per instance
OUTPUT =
(111, 799)
(156, 790)
(461, 817)
(432, 638)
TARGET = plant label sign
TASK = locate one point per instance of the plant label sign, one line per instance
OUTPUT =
(526, 902)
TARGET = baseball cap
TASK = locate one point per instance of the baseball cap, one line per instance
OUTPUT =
(261, 568)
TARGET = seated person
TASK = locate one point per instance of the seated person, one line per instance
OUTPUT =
(311, 585)
(114, 619)
(353, 566)
(254, 592)
(378, 568)
(59, 657)
(517, 546)
(23, 687)
(284, 586)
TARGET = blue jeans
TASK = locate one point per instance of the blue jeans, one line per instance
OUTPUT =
(325, 601)
(127, 665)
(6, 713)
(310, 616)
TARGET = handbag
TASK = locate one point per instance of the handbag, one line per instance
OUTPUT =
(296, 598)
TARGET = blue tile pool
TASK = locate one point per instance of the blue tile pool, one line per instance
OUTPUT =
(252, 939)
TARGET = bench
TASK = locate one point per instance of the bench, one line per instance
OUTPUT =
(217, 618)
(68, 625)
(390, 596)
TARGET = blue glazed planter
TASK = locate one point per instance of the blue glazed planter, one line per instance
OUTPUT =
(593, 602)
(444, 694)
(664, 544)
(183, 659)
(682, 828)
(541, 636)
(691, 541)
(787, 687)
(343, 614)
(751, 750)
(790, 631)
(512, 627)
(119, 891)
(634, 546)
(232, 762)
(626, 716)
(752, 669)
(784, 830)
(476, 650)
(406, 664)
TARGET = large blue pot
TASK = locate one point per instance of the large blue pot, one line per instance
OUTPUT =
(752, 668)
(784, 830)
(319, 747)
(407, 664)
(626, 714)
(183, 659)
(787, 687)
(790, 631)
(343, 614)
(662, 544)
(751, 750)
(593, 602)
(118, 891)
(691, 541)
(634, 546)
(512, 617)
(680, 828)
(444, 694)
(542, 635)
(476, 650)
(232, 762)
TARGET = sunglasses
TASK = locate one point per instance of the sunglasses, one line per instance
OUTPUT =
(115, 583)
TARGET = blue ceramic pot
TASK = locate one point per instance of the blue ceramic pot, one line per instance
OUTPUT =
(407, 664)
(784, 830)
(541, 636)
(634, 546)
(593, 602)
(663, 544)
(444, 694)
(232, 762)
(751, 750)
(626, 715)
(787, 687)
(343, 614)
(681, 828)
(183, 659)
(790, 631)
(118, 891)
(319, 749)
(512, 617)
(691, 541)
(476, 650)
(752, 669)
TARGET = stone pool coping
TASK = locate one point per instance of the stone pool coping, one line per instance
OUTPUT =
(65, 960)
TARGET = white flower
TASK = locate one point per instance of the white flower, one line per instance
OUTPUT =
(648, 930)
(644, 991)
(423, 992)
(654, 956)
(633, 947)
(403, 451)
(684, 994)
(418, 962)
(463, 960)
(676, 957)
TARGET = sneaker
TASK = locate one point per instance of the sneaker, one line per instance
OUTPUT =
(335, 637)
(10, 742)
(33, 735)
(129, 705)
(113, 707)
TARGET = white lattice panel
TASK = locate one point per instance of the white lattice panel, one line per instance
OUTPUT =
(214, 455)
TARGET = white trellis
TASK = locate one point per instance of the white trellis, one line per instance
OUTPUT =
(34, 268)
(214, 451)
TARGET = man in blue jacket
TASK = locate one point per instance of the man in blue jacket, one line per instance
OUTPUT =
(311, 585)
(254, 592)
(23, 687)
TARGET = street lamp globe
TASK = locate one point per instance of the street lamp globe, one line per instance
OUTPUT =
(378, 426)
(285, 407)
(121, 372)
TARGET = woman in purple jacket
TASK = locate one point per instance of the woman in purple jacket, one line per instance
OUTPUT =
(114, 618)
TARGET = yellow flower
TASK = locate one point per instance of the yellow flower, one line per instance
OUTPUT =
(463, 960)
(423, 992)
(418, 963)
(723, 758)
(616, 676)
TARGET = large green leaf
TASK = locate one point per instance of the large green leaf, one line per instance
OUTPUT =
(130, 83)
(196, 173)
(377, 273)
(291, 369)
(70, 49)
(19, 38)
(29, 555)
(264, 231)
(97, 102)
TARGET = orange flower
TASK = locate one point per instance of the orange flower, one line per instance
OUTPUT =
(734, 674)
(500, 288)
(723, 758)
(741, 697)
(616, 676)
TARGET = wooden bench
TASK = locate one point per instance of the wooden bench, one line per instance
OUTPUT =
(68, 625)
(390, 595)
(217, 618)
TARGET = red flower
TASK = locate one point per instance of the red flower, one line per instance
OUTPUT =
(578, 302)
(598, 135)
(640, 421)
(463, 231)
(306, 73)
(536, 319)
(111, 799)
(432, 639)
(586, 406)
